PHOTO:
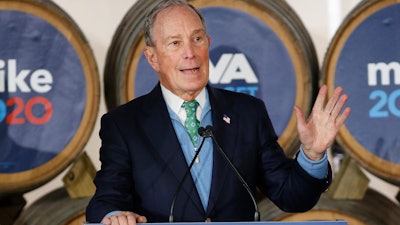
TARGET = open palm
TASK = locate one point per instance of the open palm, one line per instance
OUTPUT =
(319, 131)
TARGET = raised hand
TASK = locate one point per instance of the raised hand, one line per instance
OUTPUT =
(319, 131)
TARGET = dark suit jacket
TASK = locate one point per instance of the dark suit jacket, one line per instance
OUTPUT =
(143, 163)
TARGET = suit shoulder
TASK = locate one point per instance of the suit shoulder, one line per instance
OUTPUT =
(129, 107)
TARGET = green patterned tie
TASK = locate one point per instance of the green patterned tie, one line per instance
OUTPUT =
(191, 122)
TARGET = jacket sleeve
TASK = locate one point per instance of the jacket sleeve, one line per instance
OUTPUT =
(113, 181)
(281, 178)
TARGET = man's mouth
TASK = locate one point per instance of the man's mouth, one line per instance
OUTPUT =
(191, 70)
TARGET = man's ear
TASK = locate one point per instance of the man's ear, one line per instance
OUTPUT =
(151, 56)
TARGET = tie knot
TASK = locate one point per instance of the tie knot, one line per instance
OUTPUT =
(190, 107)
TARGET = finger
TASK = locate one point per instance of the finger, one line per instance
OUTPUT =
(106, 221)
(339, 106)
(141, 219)
(300, 117)
(122, 219)
(340, 121)
(319, 102)
(114, 220)
(132, 219)
(333, 100)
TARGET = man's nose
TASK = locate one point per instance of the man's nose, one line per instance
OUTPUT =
(189, 51)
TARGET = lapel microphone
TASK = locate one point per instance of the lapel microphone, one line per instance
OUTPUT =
(207, 132)
(201, 131)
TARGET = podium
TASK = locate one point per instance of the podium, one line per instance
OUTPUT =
(341, 222)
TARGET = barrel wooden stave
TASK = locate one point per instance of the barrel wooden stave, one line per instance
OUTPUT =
(55, 208)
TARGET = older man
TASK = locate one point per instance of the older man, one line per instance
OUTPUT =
(148, 143)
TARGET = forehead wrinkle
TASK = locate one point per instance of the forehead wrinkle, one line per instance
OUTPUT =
(166, 19)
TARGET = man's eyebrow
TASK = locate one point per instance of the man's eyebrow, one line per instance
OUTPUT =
(172, 37)
(201, 30)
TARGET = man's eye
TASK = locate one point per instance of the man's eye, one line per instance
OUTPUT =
(174, 43)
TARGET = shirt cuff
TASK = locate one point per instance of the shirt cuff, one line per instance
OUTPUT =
(317, 169)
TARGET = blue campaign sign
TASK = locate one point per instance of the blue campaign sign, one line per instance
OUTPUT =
(42, 91)
(368, 68)
(259, 66)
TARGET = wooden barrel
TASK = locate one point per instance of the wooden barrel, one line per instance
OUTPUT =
(373, 209)
(279, 64)
(363, 58)
(55, 208)
(49, 93)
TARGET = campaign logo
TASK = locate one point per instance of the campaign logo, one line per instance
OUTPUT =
(39, 81)
(42, 91)
(259, 66)
(368, 68)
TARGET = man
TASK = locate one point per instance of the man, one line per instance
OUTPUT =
(146, 148)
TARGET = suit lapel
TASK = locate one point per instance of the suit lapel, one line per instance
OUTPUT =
(167, 143)
(225, 128)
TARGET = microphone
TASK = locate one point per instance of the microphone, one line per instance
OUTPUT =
(205, 132)
(202, 132)
(208, 133)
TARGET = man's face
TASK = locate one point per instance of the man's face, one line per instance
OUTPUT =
(180, 56)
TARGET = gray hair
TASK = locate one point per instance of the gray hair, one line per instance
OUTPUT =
(152, 13)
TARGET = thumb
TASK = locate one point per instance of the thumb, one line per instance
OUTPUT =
(300, 117)
(141, 219)
(106, 221)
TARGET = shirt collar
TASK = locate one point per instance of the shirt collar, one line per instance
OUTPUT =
(175, 102)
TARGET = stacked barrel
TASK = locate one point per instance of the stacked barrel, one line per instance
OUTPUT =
(364, 58)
